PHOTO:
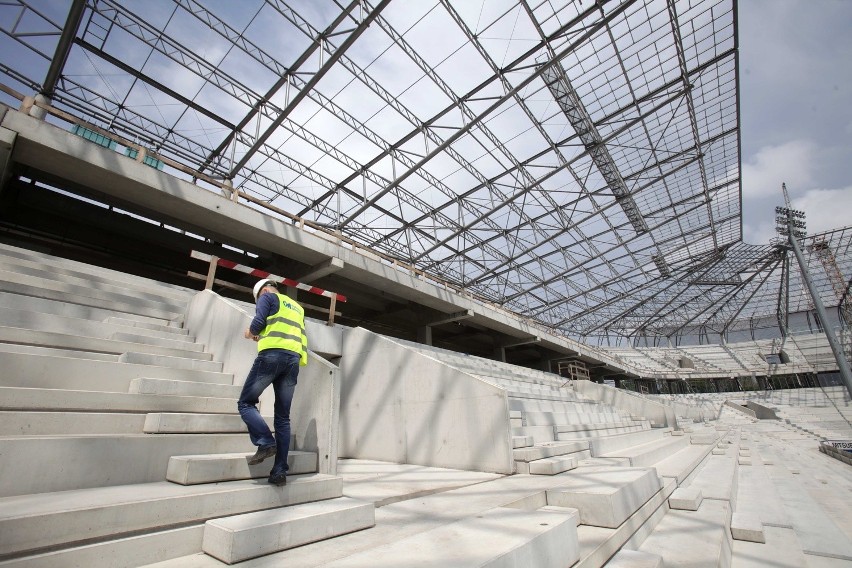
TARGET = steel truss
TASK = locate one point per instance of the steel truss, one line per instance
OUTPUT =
(576, 162)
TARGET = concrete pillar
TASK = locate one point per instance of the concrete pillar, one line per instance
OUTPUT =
(291, 293)
(500, 353)
(38, 112)
(424, 335)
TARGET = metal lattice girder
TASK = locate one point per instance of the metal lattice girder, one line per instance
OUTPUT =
(577, 162)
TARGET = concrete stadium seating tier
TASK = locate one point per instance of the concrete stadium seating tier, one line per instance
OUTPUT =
(121, 446)
(119, 434)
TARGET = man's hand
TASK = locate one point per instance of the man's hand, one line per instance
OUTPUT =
(248, 335)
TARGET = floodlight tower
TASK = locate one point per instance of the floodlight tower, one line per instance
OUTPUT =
(790, 223)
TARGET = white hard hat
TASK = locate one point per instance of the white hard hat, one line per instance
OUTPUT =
(259, 286)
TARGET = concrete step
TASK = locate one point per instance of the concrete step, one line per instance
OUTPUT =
(35, 464)
(498, 537)
(55, 372)
(31, 523)
(554, 418)
(26, 319)
(146, 385)
(597, 432)
(14, 423)
(192, 362)
(238, 538)
(189, 423)
(86, 295)
(717, 478)
(627, 425)
(682, 463)
(634, 559)
(192, 470)
(548, 450)
(77, 278)
(651, 452)
(608, 444)
(12, 253)
(522, 441)
(36, 399)
(554, 465)
(166, 328)
(605, 496)
(98, 311)
(150, 547)
(683, 537)
(539, 434)
(68, 353)
(98, 345)
(145, 339)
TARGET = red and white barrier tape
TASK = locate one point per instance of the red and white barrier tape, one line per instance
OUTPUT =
(262, 274)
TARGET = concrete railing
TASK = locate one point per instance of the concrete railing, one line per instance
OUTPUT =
(658, 414)
(741, 408)
(401, 405)
(219, 324)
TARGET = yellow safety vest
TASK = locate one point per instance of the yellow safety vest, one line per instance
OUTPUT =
(285, 329)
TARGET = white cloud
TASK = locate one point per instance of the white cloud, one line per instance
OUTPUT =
(826, 209)
(792, 163)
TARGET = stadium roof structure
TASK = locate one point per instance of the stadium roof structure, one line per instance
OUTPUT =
(576, 162)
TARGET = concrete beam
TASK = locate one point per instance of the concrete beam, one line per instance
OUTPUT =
(515, 342)
(457, 316)
(316, 272)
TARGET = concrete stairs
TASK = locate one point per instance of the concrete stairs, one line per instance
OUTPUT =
(120, 435)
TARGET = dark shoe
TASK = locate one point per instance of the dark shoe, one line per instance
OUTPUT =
(261, 454)
(278, 479)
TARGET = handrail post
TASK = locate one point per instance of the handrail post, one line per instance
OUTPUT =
(331, 310)
(211, 273)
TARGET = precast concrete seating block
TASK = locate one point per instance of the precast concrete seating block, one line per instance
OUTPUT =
(188, 363)
(53, 371)
(522, 441)
(704, 438)
(16, 423)
(719, 452)
(84, 293)
(238, 538)
(548, 450)
(186, 423)
(182, 345)
(31, 399)
(747, 526)
(686, 499)
(682, 463)
(634, 559)
(605, 496)
(101, 460)
(651, 452)
(96, 344)
(678, 433)
(501, 537)
(192, 470)
(167, 387)
(552, 466)
(172, 327)
(36, 522)
(693, 538)
(744, 460)
(608, 444)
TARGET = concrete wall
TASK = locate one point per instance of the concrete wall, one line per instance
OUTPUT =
(659, 415)
(760, 411)
(402, 406)
(219, 324)
(741, 408)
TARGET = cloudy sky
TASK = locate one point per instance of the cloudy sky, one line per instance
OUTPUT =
(796, 111)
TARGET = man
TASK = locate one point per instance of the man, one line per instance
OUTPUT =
(279, 329)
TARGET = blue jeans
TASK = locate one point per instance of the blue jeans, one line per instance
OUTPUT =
(280, 368)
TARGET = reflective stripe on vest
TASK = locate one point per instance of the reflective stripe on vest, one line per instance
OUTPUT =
(285, 329)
